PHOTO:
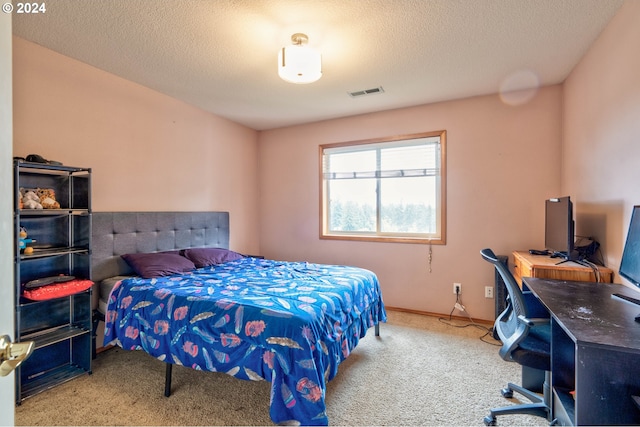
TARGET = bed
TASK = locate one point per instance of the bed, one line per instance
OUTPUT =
(289, 323)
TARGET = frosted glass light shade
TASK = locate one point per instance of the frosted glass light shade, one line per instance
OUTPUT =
(299, 64)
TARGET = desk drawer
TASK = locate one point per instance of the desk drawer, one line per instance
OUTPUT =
(572, 274)
(521, 269)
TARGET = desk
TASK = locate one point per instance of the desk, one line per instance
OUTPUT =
(595, 350)
(545, 267)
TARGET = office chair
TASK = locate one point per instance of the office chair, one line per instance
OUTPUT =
(524, 329)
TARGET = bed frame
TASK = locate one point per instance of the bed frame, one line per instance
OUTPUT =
(117, 233)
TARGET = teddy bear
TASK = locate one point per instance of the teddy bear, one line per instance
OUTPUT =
(30, 200)
(48, 198)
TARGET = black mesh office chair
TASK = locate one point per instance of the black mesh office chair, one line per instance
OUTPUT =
(524, 329)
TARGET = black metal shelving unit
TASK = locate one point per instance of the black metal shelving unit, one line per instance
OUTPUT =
(60, 327)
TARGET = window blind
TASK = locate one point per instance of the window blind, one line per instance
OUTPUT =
(412, 158)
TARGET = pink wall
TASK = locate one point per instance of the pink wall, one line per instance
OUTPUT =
(148, 152)
(502, 163)
(601, 151)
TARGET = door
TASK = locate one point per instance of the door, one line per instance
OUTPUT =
(7, 384)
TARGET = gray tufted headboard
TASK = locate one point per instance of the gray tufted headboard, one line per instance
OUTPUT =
(117, 233)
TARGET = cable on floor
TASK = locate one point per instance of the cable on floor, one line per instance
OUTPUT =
(472, 323)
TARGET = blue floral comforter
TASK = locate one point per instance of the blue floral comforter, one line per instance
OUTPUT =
(289, 323)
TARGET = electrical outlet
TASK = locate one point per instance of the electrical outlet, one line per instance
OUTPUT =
(457, 288)
(488, 291)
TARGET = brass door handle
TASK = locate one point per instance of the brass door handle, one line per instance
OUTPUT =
(13, 354)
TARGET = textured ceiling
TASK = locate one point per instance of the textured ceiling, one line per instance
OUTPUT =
(221, 55)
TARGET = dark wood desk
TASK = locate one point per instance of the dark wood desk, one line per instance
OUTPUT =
(595, 346)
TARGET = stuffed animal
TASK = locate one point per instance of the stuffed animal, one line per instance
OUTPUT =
(30, 200)
(27, 250)
(48, 198)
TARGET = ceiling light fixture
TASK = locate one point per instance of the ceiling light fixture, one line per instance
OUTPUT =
(299, 63)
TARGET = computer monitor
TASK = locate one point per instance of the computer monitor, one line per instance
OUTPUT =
(630, 263)
(558, 234)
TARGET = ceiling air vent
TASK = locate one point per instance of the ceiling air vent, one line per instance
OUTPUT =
(366, 92)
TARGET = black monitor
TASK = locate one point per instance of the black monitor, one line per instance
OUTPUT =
(630, 263)
(558, 234)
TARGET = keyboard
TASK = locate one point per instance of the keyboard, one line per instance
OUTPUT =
(627, 298)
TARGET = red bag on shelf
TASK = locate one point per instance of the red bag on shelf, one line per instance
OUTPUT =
(57, 290)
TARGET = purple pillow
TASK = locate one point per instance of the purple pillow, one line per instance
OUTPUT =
(204, 257)
(157, 264)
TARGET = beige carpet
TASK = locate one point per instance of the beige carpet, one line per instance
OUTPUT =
(419, 372)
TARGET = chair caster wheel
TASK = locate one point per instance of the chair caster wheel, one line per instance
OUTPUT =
(507, 393)
(490, 420)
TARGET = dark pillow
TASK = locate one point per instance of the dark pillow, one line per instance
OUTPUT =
(204, 257)
(158, 264)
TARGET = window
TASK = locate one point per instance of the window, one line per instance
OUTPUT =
(390, 190)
